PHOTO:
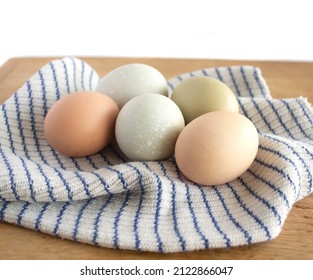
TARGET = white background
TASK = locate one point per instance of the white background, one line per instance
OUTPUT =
(242, 270)
(225, 29)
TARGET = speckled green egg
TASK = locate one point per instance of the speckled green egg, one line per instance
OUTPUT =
(147, 127)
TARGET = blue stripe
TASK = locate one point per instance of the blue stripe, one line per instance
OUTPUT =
(60, 217)
(282, 123)
(243, 74)
(121, 210)
(11, 175)
(234, 81)
(44, 93)
(66, 77)
(246, 114)
(56, 85)
(42, 211)
(174, 209)
(219, 75)
(30, 181)
(119, 175)
(281, 156)
(204, 72)
(65, 183)
(256, 77)
(170, 85)
(20, 127)
(97, 220)
(249, 212)
(310, 186)
(2, 210)
(157, 210)
(139, 208)
(309, 174)
(6, 120)
(118, 154)
(24, 147)
(81, 179)
(295, 119)
(82, 75)
(262, 200)
(103, 182)
(254, 102)
(191, 210)
(49, 188)
(194, 218)
(279, 117)
(232, 219)
(33, 126)
(269, 184)
(22, 212)
(237, 89)
(277, 170)
(74, 72)
(101, 179)
(214, 221)
(238, 93)
(92, 164)
(78, 218)
(84, 184)
(304, 110)
(105, 158)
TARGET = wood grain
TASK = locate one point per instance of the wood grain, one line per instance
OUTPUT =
(284, 79)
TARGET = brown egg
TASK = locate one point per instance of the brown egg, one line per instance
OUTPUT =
(81, 123)
(216, 147)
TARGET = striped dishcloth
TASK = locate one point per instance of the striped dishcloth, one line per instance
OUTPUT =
(108, 201)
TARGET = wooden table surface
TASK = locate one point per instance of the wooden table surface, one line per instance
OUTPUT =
(284, 79)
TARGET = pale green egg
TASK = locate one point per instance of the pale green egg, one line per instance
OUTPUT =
(129, 80)
(196, 96)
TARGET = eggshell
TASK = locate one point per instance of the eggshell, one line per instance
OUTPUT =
(147, 127)
(130, 80)
(81, 123)
(216, 147)
(196, 96)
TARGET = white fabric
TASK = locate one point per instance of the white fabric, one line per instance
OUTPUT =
(107, 201)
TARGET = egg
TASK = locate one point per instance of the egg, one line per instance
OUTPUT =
(81, 123)
(130, 80)
(147, 127)
(216, 147)
(196, 96)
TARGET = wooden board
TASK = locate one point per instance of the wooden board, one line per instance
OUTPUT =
(284, 79)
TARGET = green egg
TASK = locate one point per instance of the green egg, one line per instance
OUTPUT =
(196, 96)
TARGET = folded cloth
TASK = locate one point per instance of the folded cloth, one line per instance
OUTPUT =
(106, 200)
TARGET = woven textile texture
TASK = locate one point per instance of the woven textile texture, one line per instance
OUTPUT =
(109, 201)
